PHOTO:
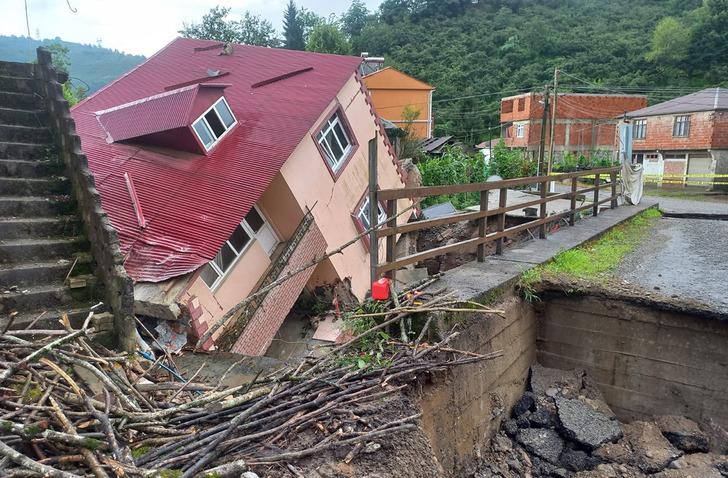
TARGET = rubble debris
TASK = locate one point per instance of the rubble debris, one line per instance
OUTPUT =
(563, 427)
(651, 452)
(683, 433)
(585, 425)
(544, 443)
(130, 417)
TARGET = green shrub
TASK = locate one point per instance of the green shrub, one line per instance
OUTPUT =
(453, 167)
(511, 163)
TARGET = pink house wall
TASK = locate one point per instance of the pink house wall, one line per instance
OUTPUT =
(333, 201)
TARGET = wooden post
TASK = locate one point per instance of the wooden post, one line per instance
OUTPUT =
(482, 224)
(595, 209)
(392, 239)
(373, 210)
(544, 123)
(572, 216)
(501, 219)
(544, 195)
(613, 179)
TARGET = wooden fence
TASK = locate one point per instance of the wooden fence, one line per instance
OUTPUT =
(389, 198)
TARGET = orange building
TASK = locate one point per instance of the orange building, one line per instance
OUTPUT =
(396, 94)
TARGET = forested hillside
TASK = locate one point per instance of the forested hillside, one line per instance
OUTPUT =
(92, 65)
(496, 48)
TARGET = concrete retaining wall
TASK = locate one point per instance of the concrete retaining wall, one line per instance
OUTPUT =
(646, 361)
(463, 409)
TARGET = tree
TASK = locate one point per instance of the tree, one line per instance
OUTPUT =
(253, 30)
(293, 27)
(670, 42)
(249, 30)
(62, 63)
(327, 38)
(354, 19)
(214, 26)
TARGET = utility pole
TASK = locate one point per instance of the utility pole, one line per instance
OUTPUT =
(553, 121)
(544, 122)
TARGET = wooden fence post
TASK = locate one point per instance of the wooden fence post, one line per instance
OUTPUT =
(613, 179)
(542, 209)
(373, 211)
(595, 209)
(572, 216)
(392, 239)
(482, 224)
(501, 219)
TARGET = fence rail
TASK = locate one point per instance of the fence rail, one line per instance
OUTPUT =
(390, 196)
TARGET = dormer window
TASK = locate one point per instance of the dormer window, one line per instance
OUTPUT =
(214, 123)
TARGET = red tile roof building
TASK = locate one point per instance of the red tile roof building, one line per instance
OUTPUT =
(176, 188)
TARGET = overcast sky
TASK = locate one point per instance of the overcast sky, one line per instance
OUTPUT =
(136, 26)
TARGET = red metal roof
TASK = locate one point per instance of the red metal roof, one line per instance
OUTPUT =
(191, 202)
(156, 113)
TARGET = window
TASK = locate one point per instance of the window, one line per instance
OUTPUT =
(520, 130)
(507, 106)
(234, 247)
(334, 142)
(521, 104)
(639, 129)
(363, 213)
(214, 123)
(681, 127)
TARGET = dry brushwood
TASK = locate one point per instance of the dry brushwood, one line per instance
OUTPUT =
(70, 408)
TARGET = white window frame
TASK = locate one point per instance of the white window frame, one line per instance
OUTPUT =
(221, 275)
(684, 129)
(520, 130)
(334, 163)
(360, 214)
(639, 126)
(201, 118)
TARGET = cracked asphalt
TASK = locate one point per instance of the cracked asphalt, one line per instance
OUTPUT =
(684, 258)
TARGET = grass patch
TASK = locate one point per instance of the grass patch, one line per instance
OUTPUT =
(595, 259)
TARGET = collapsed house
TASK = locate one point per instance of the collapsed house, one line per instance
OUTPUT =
(222, 167)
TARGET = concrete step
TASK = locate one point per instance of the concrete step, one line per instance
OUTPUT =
(36, 206)
(12, 68)
(28, 168)
(26, 151)
(17, 84)
(22, 101)
(49, 319)
(39, 227)
(50, 186)
(25, 134)
(36, 249)
(26, 274)
(46, 296)
(23, 117)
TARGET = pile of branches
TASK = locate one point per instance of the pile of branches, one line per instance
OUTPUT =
(71, 408)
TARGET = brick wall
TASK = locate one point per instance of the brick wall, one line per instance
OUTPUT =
(719, 138)
(591, 117)
(659, 133)
(262, 327)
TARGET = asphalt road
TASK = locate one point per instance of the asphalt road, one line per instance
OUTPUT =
(719, 205)
(685, 258)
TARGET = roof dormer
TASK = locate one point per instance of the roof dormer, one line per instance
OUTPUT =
(192, 118)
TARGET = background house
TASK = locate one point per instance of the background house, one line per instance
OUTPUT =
(223, 167)
(397, 95)
(584, 122)
(684, 136)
